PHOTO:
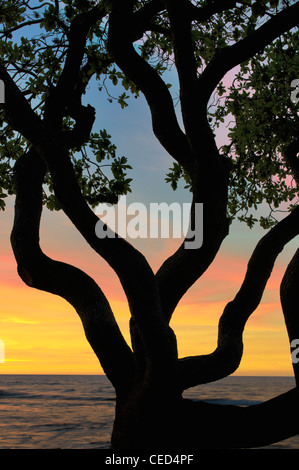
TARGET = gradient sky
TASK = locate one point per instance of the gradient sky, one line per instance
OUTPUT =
(43, 334)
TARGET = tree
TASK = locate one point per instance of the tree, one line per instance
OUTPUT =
(47, 132)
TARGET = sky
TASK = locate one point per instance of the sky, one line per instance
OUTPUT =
(42, 333)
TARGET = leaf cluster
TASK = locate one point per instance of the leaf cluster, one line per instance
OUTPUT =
(265, 122)
(256, 113)
(34, 40)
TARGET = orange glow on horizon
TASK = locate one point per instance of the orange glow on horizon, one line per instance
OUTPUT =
(43, 333)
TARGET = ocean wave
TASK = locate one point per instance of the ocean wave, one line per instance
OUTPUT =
(228, 401)
(81, 398)
(7, 394)
(55, 397)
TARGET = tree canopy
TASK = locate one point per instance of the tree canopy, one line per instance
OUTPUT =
(35, 37)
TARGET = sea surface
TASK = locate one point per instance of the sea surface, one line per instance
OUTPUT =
(77, 411)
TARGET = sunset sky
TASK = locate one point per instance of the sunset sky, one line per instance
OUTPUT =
(43, 334)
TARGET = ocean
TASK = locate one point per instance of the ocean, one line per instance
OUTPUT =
(77, 411)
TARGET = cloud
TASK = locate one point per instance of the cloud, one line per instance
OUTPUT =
(18, 320)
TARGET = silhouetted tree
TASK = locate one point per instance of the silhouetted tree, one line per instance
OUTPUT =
(47, 132)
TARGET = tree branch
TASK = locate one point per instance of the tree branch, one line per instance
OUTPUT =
(21, 116)
(186, 65)
(226, 358)
(180, 271)
(129, 264)
(231, 56)
(143, 18)
(19, 26)
(39, 271)
(165, 124)
(18, 111)
(60, 96)
(204, 13)
(238, 427)
(292, 160)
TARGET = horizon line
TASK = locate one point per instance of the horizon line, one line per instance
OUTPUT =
(104, 375)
